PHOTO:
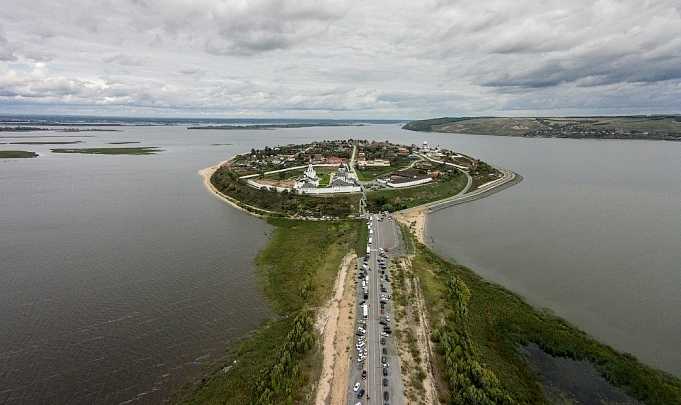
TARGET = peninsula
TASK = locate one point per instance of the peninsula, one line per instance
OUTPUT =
(365, 310)
(142, 150)
(653, 127)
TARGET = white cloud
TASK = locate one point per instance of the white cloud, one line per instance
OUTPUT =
(340, 58)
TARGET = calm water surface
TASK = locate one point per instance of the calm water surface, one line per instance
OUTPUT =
(121, 277)
(593, 233)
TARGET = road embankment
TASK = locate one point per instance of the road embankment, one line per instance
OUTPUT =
(417, 218)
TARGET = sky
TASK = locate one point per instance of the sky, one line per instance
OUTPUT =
(389, 59)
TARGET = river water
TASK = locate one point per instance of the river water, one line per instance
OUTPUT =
(593, 233)
(122, 278)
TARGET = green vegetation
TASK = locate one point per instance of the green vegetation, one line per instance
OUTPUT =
(407, 321)
(17, 154)
(372, 173)
(143, 150)
(21, 129)
(429, 124)
(399, 199)
(301, 250)
(660, 127)
(479, 327)
(285, 203)
(482, 174)
(280, 361)
(324, 179)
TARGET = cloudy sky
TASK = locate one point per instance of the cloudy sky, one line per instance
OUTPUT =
(340, 59)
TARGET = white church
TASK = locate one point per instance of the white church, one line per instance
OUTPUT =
(342, 182)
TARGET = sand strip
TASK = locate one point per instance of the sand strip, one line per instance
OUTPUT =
(335, 325)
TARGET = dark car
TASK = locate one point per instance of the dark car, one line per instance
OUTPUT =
(364, 374)
(360, 393)
(382, 340)
(385, 371)
(385, 382)
(384, 360)
(385, 351)
(386, 396)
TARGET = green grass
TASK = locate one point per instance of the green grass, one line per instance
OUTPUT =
(622, 127)
(372, 173)
(398, 199)
(17, 154)
(499, 321)
(297, 270)
(142, 150)
(324, 179)
(299, 264)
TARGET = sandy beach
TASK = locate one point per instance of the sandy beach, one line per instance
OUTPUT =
(206, 175)
(415, 219)
(335, 324)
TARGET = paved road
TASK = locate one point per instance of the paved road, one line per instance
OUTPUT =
(385, 234)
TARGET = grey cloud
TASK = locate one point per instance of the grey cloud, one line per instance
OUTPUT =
(339, 58)
(6, 50)
(123, 59)
(592, 72)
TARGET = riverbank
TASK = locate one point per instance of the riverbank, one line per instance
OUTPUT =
(281, 361)
(486, 326)
(660, 127)
(417, 218)
(206, 175)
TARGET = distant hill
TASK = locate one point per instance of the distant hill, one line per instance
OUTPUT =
(659, 127)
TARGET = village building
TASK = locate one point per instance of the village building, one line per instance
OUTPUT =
(373, 163)
(309, 179)
(406, 178)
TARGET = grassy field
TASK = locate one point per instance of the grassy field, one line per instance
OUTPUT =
(372, 173)
(281, 359)
(488, 324)
(17, 154)
(398, 199)
(623, 127)
(142, 150)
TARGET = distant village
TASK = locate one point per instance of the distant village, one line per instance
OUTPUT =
(327, 167)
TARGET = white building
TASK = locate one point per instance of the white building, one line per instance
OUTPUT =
(373, 163)
(415, 182)
(309, 179)
(343, 181)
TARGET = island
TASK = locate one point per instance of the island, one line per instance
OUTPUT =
(25, 128)
(277, 126)
(45, 142)
(364, 308)
(17, 154)
(142, 150)
(653, 127)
